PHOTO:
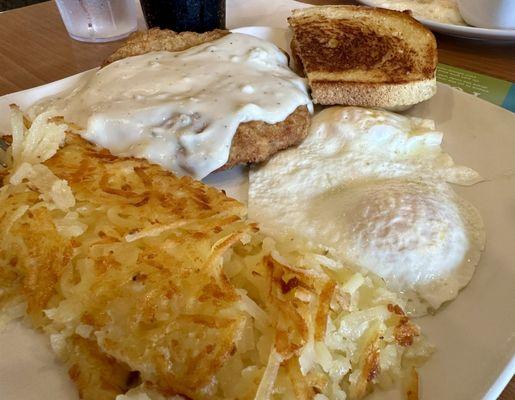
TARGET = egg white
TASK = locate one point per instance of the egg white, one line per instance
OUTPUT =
(370, 187)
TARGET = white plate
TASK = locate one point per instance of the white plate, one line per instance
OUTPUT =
(474, 335)
(465, 31)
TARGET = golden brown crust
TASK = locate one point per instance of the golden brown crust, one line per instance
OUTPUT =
(347, 49)
(254, 141)
(161, 40)
(181, 325)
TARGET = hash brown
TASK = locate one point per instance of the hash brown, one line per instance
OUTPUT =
(149, 284)
(117, 281)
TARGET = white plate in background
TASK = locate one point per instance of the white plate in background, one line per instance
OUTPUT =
(474, 335)
(465, 31)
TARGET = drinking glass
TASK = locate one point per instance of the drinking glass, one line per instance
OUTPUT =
(185, 15)
(98, 20)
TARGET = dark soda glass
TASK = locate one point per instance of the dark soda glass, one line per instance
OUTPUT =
(185, 15)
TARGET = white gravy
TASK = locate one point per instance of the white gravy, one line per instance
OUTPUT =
(182, 109)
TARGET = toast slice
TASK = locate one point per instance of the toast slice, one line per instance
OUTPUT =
(370, 57)
(254, 141)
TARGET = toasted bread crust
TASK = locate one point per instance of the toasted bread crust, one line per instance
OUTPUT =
(364, 56)
(393, 96)
(254, 141)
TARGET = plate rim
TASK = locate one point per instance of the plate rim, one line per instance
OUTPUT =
(464, 31)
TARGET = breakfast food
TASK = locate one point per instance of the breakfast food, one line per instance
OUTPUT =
(192, 103)
(370, 187)
(445, 11)
(364, 56)
(152, 286)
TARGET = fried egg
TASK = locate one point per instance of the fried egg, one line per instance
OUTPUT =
(371, 188)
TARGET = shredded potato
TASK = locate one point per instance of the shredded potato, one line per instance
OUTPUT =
(155, 287)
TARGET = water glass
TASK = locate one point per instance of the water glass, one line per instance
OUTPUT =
(98, 20)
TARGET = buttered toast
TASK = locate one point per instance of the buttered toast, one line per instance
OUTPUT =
(363, 56)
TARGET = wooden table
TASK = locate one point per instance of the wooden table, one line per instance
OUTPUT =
(35, 49)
